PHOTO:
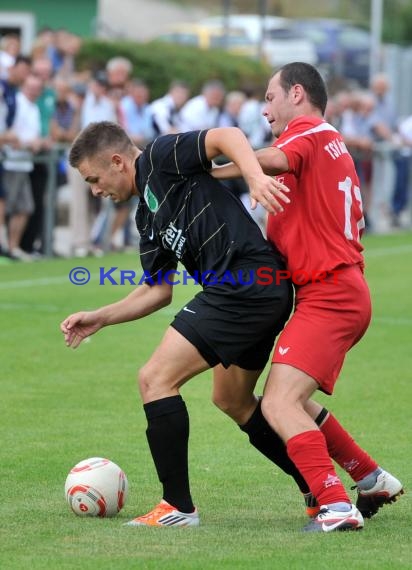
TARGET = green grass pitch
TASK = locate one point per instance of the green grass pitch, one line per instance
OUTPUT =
(59, 406)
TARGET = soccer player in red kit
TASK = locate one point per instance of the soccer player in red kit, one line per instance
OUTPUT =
(318, 235)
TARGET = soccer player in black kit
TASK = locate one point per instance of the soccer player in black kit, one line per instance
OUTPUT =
(184, 215)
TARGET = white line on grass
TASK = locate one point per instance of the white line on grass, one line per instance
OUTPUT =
(35, 282)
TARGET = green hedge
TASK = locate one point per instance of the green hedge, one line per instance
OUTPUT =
(158, 63)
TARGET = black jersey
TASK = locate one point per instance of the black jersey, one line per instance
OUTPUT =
(186, 215)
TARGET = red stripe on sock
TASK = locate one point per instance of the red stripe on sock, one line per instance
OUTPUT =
(345, 451)
(308, 450)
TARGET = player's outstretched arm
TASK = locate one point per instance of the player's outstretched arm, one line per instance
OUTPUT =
(232, 142)
(139, 303)
(272, 160)
(79, 326)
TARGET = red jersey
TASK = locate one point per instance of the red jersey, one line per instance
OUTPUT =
(320, 229)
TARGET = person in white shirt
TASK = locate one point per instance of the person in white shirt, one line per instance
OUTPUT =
(136, 113)
(401, 213)
(18, 163)
(203, 111)
(251, 119)
(9, 50)
(165, 111)
(234, 102)
(96, 107)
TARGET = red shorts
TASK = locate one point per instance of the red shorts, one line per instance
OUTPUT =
(330, 317)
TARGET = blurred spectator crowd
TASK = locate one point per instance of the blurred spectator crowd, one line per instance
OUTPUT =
(45, 102)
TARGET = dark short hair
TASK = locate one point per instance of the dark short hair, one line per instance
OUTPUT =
(22, 59)
(100, 77)
(311, 80)
(97, 138)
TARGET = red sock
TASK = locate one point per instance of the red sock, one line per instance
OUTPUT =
(345, 451)
(308, 451)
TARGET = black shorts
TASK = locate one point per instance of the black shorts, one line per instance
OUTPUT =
(236, 324)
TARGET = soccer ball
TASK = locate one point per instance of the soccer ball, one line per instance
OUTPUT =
(96, 487)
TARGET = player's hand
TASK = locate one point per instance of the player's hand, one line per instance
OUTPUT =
(269, 192)
(79, 326)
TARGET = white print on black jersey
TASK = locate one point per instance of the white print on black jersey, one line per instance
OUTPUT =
(173, 239)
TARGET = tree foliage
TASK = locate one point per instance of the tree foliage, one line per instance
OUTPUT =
(401, 22)
(158, 63)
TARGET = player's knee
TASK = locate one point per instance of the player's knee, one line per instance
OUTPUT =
(149, 382)
(222, 402)
(155, 383)
(238, 409)
(272, 410)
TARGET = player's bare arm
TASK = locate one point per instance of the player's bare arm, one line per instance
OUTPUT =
(272, 160)
(138, 304)
(232, 143)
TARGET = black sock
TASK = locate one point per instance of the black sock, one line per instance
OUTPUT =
(267, 441)
(168, 436)
(320, 418)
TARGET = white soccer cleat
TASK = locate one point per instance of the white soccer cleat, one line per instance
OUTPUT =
(387, 489)
(329, 520)
(166, 515)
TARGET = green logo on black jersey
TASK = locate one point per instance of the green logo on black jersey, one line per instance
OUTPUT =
(150, 199)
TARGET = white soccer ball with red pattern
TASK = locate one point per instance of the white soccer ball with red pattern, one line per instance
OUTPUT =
(96, 487)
